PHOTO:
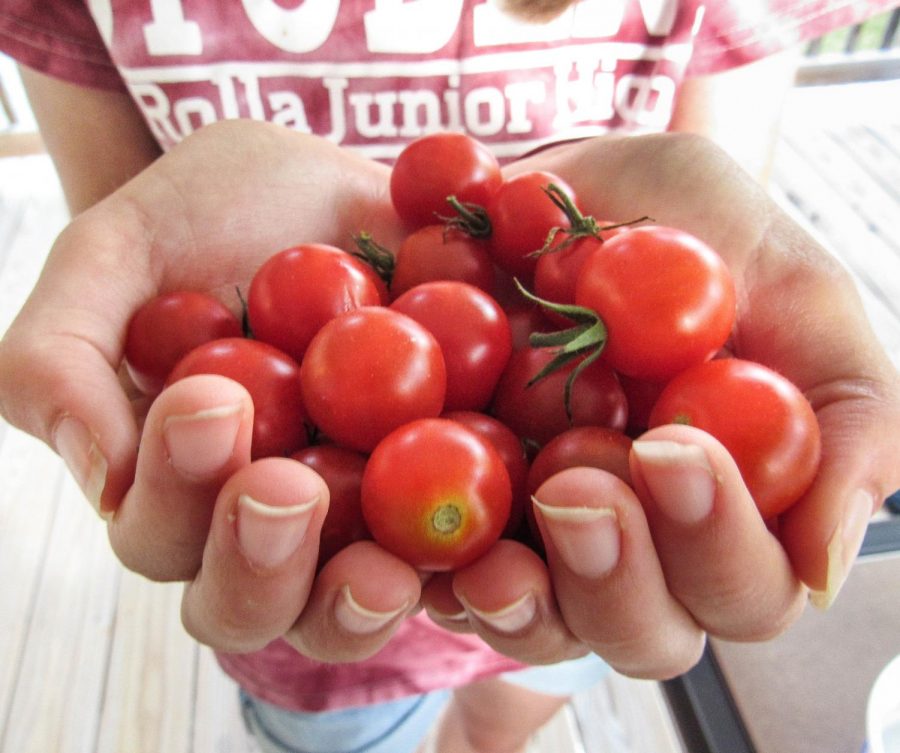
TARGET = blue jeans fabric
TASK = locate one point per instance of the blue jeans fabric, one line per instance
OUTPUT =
(396, 726)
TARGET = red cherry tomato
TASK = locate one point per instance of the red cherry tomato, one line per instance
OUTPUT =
(299, 289)
(369, 371)
(437, 166)
(666, 298)
(760, 417)
(436, 494)
(504, 440)
(525, 319)
(436, 252)
(473, 333)
(642, 396)
(271, 377)
(342, 470)
(168, 326)
(522, 215)
(538, 413)
(582, 446)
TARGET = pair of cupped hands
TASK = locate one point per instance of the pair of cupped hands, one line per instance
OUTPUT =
(638, 575)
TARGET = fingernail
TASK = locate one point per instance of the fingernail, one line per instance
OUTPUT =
(587, 538)
(460, 617)
(355, 618)
(509, 619)
(679, 477)
(78, 449)
(269, 535)
(843, 548)
(200, 443)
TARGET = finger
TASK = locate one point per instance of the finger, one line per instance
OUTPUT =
(839, 363)
(824, 531)
(442, 604)
(509, 602)
(720, 559)
(196, 435)
(260, 557)
(357, 602)
(608, 581)
(58, 360)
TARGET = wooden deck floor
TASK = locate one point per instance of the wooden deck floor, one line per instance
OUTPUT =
(93, 659)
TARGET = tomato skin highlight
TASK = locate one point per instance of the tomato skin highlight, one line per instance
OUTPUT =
(436, 494)
(473, 333)
(369, 371)
(296, 291)
(436, 166)
(166, 328)
(270, 376)
(666, 298)
(762, 419)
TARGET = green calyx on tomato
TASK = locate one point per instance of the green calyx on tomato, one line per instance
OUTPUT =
(580, 225)
(472, 219)
(585, 340)
(375, 255)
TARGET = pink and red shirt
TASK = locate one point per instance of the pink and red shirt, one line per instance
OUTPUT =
(372, 75)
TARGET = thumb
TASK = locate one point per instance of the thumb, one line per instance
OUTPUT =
(59, 358)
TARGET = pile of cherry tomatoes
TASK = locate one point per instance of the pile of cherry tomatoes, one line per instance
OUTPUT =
(435, 386)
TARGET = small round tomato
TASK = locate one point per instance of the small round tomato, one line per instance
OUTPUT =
(271, 377)
(299, 289)
(369, 371)
(165, 328)
(760, 417)
(437, 166)
(510, 447)
(473, 333)
(582, 446)
(537, 413)
(666, 298)
(522, 215)
(436, 494)
(437, 252)
(525, 319)
(342, 470)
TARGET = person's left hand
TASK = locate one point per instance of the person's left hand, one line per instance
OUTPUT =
(642, 575)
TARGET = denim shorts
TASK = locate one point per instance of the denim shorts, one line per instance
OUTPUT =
(396, 726)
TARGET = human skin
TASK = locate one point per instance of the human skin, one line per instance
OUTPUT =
(208, 213)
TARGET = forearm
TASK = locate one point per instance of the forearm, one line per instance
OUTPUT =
(96, 138)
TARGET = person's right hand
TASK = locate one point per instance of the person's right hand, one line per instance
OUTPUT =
(189, 505)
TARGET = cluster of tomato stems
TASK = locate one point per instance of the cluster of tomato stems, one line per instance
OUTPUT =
(586, 338)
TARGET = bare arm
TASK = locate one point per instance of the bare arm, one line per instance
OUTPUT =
(96, 138)
(740, 109)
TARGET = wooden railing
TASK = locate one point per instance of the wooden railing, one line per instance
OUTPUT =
(869, 51)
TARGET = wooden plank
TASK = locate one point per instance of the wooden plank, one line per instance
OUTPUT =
(56, 704)
(218, 726)
(847, 235)
(882, 318)
(30, 190)
(27, 506)
(635, 718)
(850, 181)
(148, 703)
(560, 735)
(869, 146)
